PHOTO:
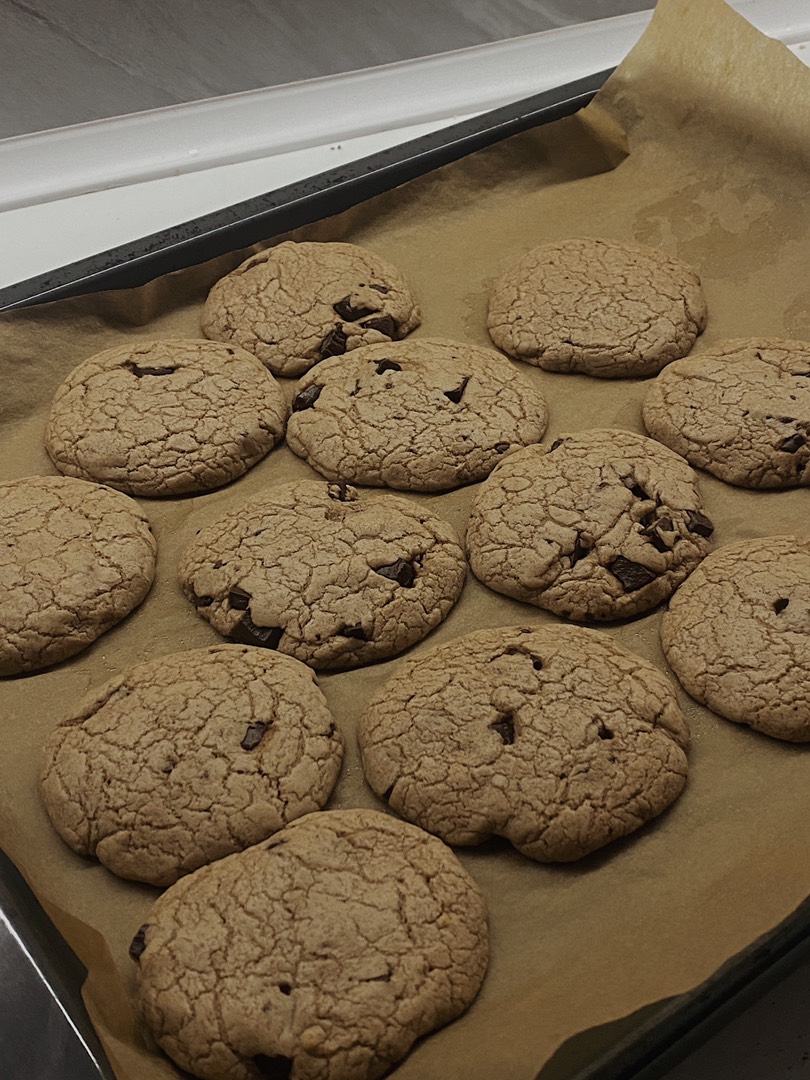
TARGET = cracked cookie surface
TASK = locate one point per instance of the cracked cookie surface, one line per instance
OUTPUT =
(415, 415)
(597, 306)
(601, 524)
(552, 737)
(298, 303)
(188, 758)
(737, 635)
(75, 559)
(165, 417)
(325, 574)
(741, 411)
(320, 955)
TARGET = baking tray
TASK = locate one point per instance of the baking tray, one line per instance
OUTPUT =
(638, 1047)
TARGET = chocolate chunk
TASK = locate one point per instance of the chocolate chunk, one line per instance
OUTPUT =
(656, 539)
(698, 523)
(139, 372)
(579, 552)
(780, 605)
(632, 575)
(334, 344)
(380, 289)
(506, 729)
(254, 735)
(665, 523)
(306, 398)
(351, 314)
(203, 601)
(400, 571)
(501, 447)
(387, 365)
(246, 632)
(792, 443)
(603, 730)
(354, 632)
(138, 943)
(285, 988)
(239, 598)
(273, 1068)
(385, 325)
(456, 395)
(556, 443)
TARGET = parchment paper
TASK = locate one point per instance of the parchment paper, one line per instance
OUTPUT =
(698, 145)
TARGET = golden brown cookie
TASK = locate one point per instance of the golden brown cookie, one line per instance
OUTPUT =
(188, 758)
(601, 524)
(75, 559)
(165, 417)
(325, 574)
(419, 415)
(741, 411)
(552, 736)
(295, 304)
(600, 307)
(737, 635)
(323, 954)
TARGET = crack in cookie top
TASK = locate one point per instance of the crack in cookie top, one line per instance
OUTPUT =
(418, 415)
(600, 524)
(165, 417)
(325, 574)
(740, 410)
(298, 303)
(597, 306)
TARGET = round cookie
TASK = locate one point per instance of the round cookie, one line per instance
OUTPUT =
(601, 524)
(737, 635)
(188, 758)
(324, 574)
(741, 411)
(601, 307)
(76, 558)
(297, 303)
(417, 415)
(165, 417)
(552, 737)
(323, 954)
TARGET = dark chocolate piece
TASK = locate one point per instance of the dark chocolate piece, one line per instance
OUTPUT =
(556, 443)
(501, 447)
(203, 601)
(356, 632)
(273, 1068)
(246, 632)
(254, 735)
(239, 598)
(380, 289)
(401, 572)
(139, 372)
(344, 309)
(506, 729)
(456, 395)
(792, 443)
(603, 730)
(632, 575)
(385, 325)
(656, 539)
(698, 523)
(780, 605)
(306, 398)
(138, 943)
(387, 365)
(579, 552)
(334, 344)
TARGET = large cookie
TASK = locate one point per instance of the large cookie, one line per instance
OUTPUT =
(323, 954)
(553, 737)
(417, 415)
(597, 306)
(741, 411)
(324, 574)
(737, 635)
(165, 417)
(188, 758)
(75, 558)
(295, 304)
(601, 524)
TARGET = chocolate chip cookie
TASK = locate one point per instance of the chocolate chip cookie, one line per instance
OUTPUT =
(597, 306)
(295, 304)
(324, 953)
(188, 758)
(737, 635)
(417, 415)
(602, 524)
(552, 737)
(75, 559)
(165, 417)
(329, 576)
(741, 411)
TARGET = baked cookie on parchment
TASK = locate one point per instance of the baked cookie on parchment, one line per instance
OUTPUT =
(327, 575)
(323, 954)
(298, 303)
(599, 307)
(165, 417)
(419, 415)
(188, 758)
(75, 559)
(600, 524)
(737, 635)
(740, 410)
(553, 737)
